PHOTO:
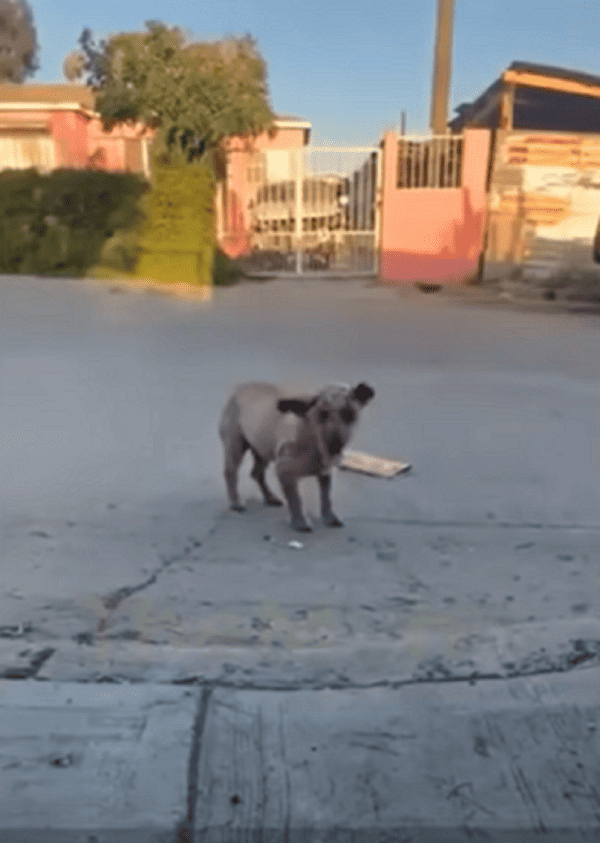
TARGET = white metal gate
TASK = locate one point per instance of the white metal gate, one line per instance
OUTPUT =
(334, 192)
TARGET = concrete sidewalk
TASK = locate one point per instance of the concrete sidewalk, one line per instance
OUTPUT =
(434, 762)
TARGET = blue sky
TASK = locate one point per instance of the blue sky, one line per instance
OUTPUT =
(350, 67)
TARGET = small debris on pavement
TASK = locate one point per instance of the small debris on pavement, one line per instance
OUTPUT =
(296, 545)
(14, 630)
(62, 761)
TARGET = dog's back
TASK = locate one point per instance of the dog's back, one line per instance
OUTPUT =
(252, 413)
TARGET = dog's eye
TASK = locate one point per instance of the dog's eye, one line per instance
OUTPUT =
(323, 416)
(347, 415)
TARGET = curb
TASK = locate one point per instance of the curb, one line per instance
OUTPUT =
(197, 292)
(421, 656)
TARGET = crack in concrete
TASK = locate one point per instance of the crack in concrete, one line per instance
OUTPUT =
(30, 670)
(344, 684)
(339, 681)
(579, 650)
(113, 600)
(185, 830)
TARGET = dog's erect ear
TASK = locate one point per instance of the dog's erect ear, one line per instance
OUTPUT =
(362, 393)
(295, 405)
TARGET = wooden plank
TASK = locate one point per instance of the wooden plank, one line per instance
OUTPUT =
(534, 80)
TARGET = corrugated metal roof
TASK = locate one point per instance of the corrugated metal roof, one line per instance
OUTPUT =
(465, 110)
(555, 72)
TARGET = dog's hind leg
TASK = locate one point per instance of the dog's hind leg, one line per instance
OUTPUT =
(258, 474)
(234, 453)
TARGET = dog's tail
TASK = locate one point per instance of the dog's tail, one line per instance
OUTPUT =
(229, 418)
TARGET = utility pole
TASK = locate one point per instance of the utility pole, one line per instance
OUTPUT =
(442, 66)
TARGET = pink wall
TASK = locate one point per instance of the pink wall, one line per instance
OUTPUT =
(107, 149)
(434, 234)
(69, 129)
(238, 192)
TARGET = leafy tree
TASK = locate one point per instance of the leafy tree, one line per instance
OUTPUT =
(194, 94)
(74, 66)
(19, 46)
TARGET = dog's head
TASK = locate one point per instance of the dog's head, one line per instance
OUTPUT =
(332, 414)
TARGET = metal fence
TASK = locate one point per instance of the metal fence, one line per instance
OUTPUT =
(434, 162)
(333, 192)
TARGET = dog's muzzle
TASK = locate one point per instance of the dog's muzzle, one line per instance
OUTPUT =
(335, 445)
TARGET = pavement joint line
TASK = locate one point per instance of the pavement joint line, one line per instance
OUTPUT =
(213, 684)
(384, 683)
(490, 524)
(185, 830)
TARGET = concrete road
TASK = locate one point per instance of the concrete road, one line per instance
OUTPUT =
(476, 571)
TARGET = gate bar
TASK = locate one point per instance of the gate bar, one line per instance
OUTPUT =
(299, 207)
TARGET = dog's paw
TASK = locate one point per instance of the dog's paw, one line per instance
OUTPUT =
(332, 521)
(273, 502)
(238, 507)
(301, 526)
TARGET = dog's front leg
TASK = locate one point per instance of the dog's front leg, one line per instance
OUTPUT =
(329, 518)
(289, 484)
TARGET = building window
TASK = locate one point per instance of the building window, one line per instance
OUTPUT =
(255, 171)
(22, 150)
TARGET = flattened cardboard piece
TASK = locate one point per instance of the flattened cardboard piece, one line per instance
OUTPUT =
(373, 466)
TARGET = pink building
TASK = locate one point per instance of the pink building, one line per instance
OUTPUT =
(51, 126)
(248, 164)
(418, 205)
(424, 211)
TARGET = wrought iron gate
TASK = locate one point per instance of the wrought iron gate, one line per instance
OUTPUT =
(334, 193)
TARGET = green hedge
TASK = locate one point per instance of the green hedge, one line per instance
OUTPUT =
(71, 221)
(59, 224)
(226, 271)
(178, 236)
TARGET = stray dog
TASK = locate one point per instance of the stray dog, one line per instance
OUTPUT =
(303, 436)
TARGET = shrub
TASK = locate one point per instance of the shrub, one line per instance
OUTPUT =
(178, 236)
(58, 224)
(225, 270)
(121, 252)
